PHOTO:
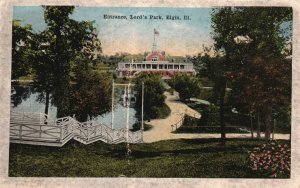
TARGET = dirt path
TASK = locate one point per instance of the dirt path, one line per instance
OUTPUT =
(162, 127)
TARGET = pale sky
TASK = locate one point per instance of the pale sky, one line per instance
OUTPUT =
(176, 37)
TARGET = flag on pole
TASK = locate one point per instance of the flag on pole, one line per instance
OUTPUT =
(156, 32)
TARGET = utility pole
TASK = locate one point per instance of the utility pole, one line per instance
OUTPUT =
(112, 104)
(142, 126)
(127, 112)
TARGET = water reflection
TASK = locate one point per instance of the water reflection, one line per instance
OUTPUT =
(19, 94)
(25, 98)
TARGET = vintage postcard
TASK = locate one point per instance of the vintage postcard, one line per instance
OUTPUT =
(168, 95)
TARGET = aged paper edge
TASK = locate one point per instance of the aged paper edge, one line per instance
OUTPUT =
(5, 72)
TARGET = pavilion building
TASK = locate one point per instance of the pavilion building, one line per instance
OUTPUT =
(155, 62)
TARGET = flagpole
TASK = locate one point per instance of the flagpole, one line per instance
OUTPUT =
(154, 36)
(153, 40)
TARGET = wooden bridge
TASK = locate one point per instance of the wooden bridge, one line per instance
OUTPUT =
(39, 129)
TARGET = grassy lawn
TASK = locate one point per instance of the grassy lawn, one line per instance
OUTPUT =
(204, 158)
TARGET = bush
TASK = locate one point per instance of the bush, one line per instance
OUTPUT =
(137, 126)
(153, 112)
(206, 81)
(163, 112)
(187, 86)
(272, 160)
(189, 121)
(206, 94)
(159, 112)
(154, 98)
(210, 116)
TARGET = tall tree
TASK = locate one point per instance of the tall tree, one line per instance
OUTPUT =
(43, 66)
(56, 48)
(21, 37)
(249, 38)
(222, 34)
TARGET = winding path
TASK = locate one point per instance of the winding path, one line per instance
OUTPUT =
(162, 127)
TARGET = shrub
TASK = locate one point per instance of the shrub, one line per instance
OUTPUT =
(210, 116)
(164, 111)
(153, 112)
(272, 159)
(189, 121)
(206, 94)
(153, 95)
(137, 126)
(187, 86)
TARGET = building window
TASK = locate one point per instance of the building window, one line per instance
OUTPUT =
(154, 66)
(181, 66)
(148, 66)
(161, 66)
(138, 66)
(127, 65)
(154, 59)
(143, 66)
(170, 67)
(176, 66)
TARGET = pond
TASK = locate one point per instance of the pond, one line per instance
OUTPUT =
(25, 99)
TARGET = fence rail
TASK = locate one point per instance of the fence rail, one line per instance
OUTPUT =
(39, 129)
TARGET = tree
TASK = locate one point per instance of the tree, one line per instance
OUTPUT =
(186, 86)
(267, 86)
(250, 37)
(153, 95)
(43, 66)
(222, 30)
(91, 93)
(54, 52)
(21, 38)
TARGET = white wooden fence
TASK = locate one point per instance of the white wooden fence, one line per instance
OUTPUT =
(39, 129)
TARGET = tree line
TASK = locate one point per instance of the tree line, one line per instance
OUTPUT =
(58, 58)
(253, 56)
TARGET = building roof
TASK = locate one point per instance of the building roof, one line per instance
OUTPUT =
(156, 56)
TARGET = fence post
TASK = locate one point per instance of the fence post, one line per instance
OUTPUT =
(20, 132)
(40, 118)
(95, 127)
(80, 128)
(61, 135)
(112, 135)
(73, 122)
(87, 131)
(40, 131)
(107, 137)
